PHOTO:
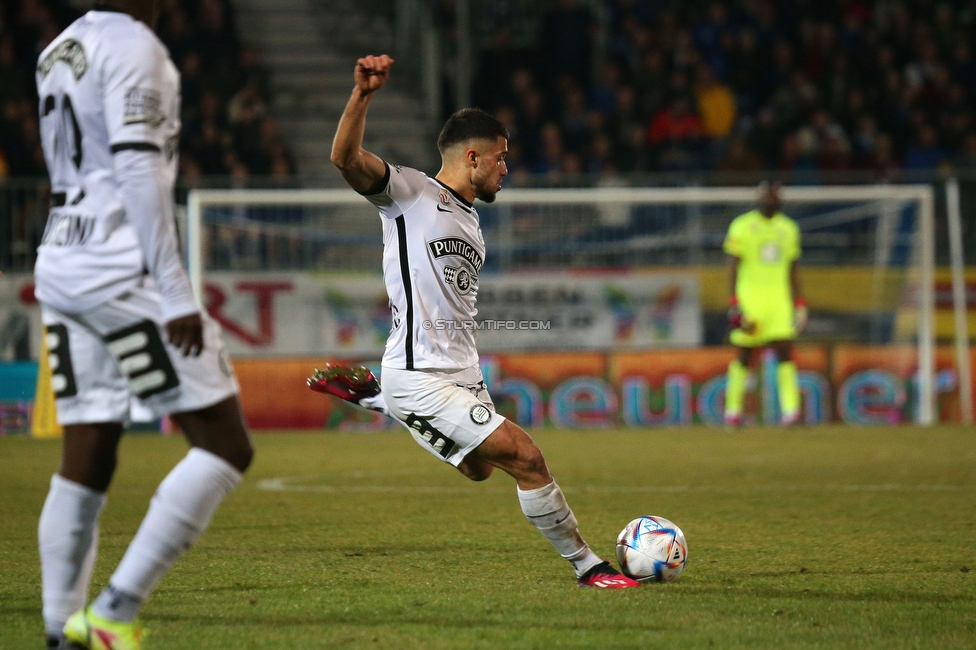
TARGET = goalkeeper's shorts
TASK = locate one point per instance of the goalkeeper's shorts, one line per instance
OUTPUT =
(765, 322)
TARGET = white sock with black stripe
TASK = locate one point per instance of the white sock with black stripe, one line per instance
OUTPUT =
(547, 510)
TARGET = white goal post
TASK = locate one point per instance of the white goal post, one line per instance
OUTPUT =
(923, 196)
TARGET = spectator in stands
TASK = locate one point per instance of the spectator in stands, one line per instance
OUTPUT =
(252, 73)
(739, 158)
(216, 41)
(218, 74)
(651, 83)
(601, 156)
(210, 151)
(492, 75)
(19, 139)
(192, 87)
(174, 30)
(834, 154)
(715, 102)
(797, 156)
(574, 120)
(565, 40)
(966, 160)
(864, 140)
(925, 153)
(247, 100)
(677, 123)
(603, 93)
(709, 33)
(883, 161)
(15, 82)
(812, 85)
(552, 150)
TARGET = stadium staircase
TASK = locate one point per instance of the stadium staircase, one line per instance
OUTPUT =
(310, 48)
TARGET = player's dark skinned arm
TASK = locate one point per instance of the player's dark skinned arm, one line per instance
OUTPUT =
(362, 170)
(733, 273)
(801, 314)
(795, 288)
(735, 314)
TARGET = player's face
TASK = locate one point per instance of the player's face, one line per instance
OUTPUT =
(490, 169)
(770, 202)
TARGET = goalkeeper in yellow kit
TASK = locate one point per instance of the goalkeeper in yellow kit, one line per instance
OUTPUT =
(766, 306)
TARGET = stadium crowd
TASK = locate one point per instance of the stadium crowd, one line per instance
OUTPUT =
(227, 129)
(747, 85)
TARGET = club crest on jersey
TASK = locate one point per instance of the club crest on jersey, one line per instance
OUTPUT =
(463, 278)
(71, 52)
(444, 198)
(480, 414)
(770, 252)
(144, 106)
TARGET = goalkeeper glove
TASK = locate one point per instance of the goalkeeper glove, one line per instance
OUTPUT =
(800, 314)
(735, 314)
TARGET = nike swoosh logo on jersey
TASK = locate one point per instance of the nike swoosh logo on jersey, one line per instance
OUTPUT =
(559, 521)
(440, 209)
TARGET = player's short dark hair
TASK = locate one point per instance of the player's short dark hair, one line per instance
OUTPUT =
(470, 124)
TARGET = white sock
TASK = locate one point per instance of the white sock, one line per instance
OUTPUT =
(375, 403)
(548, 511)
(179, 513)
(67, 537)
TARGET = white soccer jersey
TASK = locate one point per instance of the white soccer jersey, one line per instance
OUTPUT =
(433, 251)
(107, 85)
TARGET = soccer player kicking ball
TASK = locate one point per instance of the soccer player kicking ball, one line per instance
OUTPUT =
(433, 252)
(766, 306)
(122, 324)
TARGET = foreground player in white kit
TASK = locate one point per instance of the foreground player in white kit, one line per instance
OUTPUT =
(122, 324)
(432, 253)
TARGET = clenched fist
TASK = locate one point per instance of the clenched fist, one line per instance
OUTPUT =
(372, 72)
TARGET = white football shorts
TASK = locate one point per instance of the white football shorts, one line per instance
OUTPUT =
(449, 413)
(114, 362)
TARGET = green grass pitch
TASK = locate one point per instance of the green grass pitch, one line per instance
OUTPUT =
(833, 537)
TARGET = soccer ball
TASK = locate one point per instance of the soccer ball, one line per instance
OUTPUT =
(652, 548)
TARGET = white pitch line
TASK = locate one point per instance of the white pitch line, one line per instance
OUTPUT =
(286, 484)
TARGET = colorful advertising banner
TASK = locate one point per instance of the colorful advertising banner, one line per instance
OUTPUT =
(850, 384)
(304, 313)
(298, 313)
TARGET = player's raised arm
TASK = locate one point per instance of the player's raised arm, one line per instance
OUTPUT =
(363, 170)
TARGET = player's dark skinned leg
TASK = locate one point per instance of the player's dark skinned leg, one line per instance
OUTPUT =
(90, 451)
(511, 449)
(220, 430)
(90, 454)
(783, 350)
(745, 356)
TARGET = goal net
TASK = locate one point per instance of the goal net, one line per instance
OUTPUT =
(601, 306)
